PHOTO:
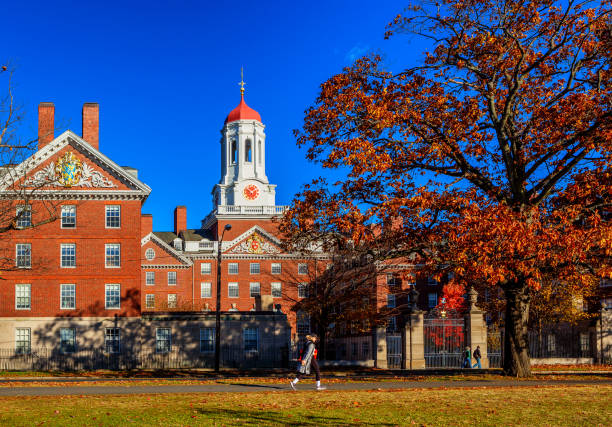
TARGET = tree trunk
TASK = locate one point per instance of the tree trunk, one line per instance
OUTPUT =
(516, 338)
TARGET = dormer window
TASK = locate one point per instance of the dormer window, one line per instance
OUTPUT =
(248, 152)
(177, 245)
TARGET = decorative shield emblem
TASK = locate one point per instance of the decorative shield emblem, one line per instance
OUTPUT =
(254, 244)
(68, 170)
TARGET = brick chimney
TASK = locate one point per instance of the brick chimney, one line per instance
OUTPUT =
(146, 224)
(46, 126)
(180, 219)
(91, 125)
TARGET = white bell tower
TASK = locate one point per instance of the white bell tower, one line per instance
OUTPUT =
(243, 160)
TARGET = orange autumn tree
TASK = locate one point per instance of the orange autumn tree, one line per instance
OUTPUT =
(494, 152)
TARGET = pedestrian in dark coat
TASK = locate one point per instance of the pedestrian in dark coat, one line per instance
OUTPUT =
(308, 360)
(477, 355)
(467, 358)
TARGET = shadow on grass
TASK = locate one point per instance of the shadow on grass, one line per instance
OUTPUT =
(252, 385)
(258, 417)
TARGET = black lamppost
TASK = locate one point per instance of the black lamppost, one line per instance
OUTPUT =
(218, 313)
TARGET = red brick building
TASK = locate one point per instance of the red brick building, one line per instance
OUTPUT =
(74, 228)
(87, 270)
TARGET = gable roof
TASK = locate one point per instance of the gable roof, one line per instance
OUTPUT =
(165, 246)
(269, 244)
(69, 138)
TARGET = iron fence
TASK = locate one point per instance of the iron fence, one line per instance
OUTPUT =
(45, 359)
(357, 348)
(563, 341)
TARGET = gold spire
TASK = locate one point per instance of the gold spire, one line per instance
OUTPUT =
(242, 83)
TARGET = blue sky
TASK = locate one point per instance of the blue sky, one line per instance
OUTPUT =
(165, 75)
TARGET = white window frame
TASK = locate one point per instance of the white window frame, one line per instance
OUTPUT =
(205, 290)
(68, 260)
(230, 286)
(230, 268)
(23, 335)
(303, 290)
(276, 268)
(207, 340)
(149, 278)
(68, 212)
(254, 268)
(585, 342)
(249, 336)
(206, 268)
(150, 254)
(391, 279)
(254, 286)
(109, 218)
(67, 294)
(23, 252)
(109, 259)
(302, 268)
(276, 289)
(172, 278)
(150, 301)
(61, 342)
(112, 288)
(172, 300)
(23, 293)
(165, 338)
(110, 338)
(24, 221)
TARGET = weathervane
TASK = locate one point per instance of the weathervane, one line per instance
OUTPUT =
(242, 83)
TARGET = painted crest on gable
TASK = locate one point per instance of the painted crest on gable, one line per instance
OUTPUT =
(255, 244)
(69, 171)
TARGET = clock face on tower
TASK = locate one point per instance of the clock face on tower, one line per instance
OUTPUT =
(251, 192)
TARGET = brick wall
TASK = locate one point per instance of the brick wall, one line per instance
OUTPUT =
(90, 274)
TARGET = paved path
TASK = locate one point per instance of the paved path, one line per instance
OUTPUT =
(282, 386)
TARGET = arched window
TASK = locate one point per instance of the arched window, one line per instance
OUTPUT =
(259, 152)
(247, 151)
(234, 153)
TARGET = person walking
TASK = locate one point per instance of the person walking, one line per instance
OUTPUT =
(467, 358)
(477, 355)
(308, 359)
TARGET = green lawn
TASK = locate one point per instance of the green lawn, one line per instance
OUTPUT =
(532, 406)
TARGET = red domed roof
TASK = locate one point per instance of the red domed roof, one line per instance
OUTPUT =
(242, 112)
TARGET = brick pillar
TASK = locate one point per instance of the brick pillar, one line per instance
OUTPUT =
(46, 125)
(91, 124)
(380, 348)
(476, 329)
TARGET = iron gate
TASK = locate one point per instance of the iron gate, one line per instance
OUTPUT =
(394, 351)
(495, 345)
(444, 342)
